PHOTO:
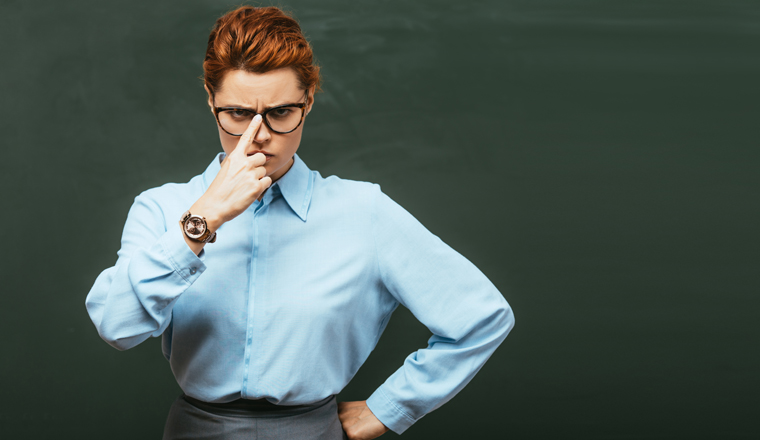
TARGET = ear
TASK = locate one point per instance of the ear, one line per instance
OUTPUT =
(210, 101)
(310, 99)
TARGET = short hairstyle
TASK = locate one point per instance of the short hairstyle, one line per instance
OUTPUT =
(257, 40)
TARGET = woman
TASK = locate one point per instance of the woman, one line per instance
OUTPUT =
(270, 284)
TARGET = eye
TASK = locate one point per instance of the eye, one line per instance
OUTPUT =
(281, 112)
(239, 114)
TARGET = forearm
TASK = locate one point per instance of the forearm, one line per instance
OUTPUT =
(133, 300)
(432, 376)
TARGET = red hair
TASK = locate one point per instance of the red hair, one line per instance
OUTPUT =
(258, 40)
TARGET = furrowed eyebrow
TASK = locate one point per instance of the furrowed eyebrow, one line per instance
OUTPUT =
(254, 110)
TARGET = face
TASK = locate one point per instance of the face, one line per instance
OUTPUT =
(261, 91)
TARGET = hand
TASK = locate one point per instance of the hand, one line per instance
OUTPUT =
(240, 181)
(359, 422)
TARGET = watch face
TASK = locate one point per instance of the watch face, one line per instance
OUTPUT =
(195, 227)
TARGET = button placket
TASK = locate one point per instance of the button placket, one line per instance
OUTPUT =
(251, 300)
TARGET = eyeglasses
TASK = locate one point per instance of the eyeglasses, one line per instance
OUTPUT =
(281, 119)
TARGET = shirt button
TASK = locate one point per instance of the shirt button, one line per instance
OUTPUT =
(192, 271)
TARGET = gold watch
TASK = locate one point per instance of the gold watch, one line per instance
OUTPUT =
(196, 228)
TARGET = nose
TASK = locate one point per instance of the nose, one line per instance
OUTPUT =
(263, 134)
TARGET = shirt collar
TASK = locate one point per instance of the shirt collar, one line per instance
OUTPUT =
(296, 185)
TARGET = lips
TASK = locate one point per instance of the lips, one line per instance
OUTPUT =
(268, 156)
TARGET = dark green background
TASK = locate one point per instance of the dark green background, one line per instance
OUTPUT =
(597, 160)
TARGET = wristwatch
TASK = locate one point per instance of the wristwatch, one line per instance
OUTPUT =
(196, 228)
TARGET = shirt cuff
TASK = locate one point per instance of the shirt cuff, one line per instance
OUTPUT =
(393, 417)
(184, 261)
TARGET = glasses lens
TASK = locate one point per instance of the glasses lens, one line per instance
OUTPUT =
(235, 121)
(284, 119)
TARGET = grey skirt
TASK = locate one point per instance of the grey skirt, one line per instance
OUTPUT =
(191, 419)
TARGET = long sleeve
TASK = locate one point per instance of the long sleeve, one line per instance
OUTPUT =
(133, 299)
(467, 315)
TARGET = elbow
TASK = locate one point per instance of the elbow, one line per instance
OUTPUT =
(108, 333)
(118, 337)
(117, 344)
(495, 323)
(511, 321)
(114, 341)
(121, 344)
(505, 320)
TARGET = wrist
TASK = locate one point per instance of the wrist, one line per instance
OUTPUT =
(196, 228)
(213, 220)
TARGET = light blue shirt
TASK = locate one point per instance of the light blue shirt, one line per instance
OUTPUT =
(295, 293)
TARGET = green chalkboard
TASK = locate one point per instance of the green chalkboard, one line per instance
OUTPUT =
(597, 160)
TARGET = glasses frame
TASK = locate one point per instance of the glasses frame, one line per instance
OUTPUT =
(301, 105)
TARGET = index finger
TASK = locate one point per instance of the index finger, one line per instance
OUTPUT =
(247, 136)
